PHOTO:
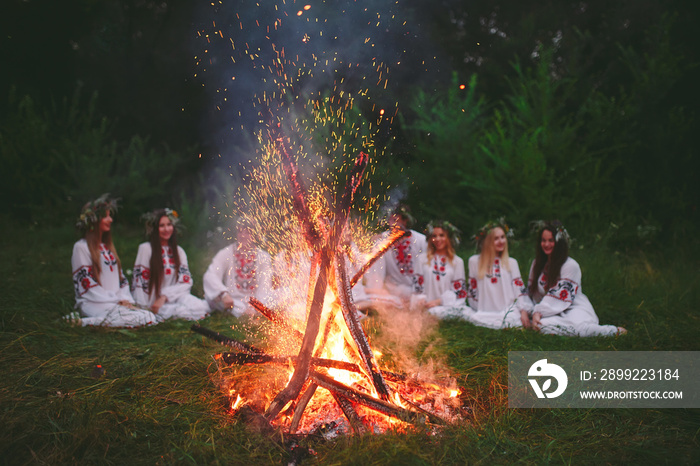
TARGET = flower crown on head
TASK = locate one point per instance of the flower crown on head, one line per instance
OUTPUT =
(404, 212)
(93, 211)
(484, 231)
(452, 231)
(560, 232)
(152, 218)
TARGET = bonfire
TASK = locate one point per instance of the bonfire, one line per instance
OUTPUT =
(333, 381)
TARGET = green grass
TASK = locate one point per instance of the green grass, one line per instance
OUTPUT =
(157, 404)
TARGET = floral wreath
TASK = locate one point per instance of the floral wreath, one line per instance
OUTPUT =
(561, 233)
(152, 218)
(404, 212)
(452, 231)
(93, 211)
(483, 232)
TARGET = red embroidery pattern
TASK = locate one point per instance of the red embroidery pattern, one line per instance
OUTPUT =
(142, 276)
(439, 267)
(108, 258)
(496, 274)
(460, 288)
(403, 257)
(244, 270)
(472, 289)
(518, 283)
(83, 280)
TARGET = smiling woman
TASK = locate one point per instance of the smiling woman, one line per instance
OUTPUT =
(163, 281)
(560, 307)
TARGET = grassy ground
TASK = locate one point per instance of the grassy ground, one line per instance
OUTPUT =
(156, 404)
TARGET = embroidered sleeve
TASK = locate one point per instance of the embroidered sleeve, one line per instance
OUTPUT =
(142, 277)
(83, 280)
(565, 290)
(184, 275)
(460, 288)
(562, 295)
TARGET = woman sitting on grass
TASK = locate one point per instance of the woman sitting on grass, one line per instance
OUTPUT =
(162, 281)
(238, 272)
(440, 277)
(555, 286)
(101, 290)
(496, 290)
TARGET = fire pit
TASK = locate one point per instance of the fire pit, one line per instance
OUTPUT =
(335, 379)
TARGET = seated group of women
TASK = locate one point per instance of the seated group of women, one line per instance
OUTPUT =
(425, 273)
(416, 273)
(162, 282)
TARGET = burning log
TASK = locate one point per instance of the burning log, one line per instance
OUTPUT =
(224, 340)
(274, 317)
(311, 229)
(358, 333)
(262, 358)
(313, 322)
(349, 411)
(393, 237)
(375, 404)
(301, 406)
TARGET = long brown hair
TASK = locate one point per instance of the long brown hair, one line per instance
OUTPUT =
(94, 237)
(488, 253)
(156, 264)
(555, 260)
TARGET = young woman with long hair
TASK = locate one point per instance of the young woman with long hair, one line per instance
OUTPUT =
(560, 307)
(495, 290)
(441, 278)
(162, 281)
(101, 290)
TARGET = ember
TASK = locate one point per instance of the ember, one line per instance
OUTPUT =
(333, 353)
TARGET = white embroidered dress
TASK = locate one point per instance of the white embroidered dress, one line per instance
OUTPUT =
(499, 296)
(98, 302)
(241, 274)
(391, 279)
(565, 309)
(175, 286)
(438, 278)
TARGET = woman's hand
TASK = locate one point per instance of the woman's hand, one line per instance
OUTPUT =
(536, 323)
(433, 303)
(126, 303)
(158, 304)
(525, 319)
(227, 300)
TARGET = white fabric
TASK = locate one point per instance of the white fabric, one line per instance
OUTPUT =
(241, 274)
(175, 285)
(438, 278)
(391, 279)
(499, 296)
(564, 308)
(99, 302)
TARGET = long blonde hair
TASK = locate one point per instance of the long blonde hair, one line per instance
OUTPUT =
(431, 248)
(488, 254)
(94, 237)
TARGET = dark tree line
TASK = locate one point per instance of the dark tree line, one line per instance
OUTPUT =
(595, 99)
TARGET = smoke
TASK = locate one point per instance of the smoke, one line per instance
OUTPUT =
(256, 61)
